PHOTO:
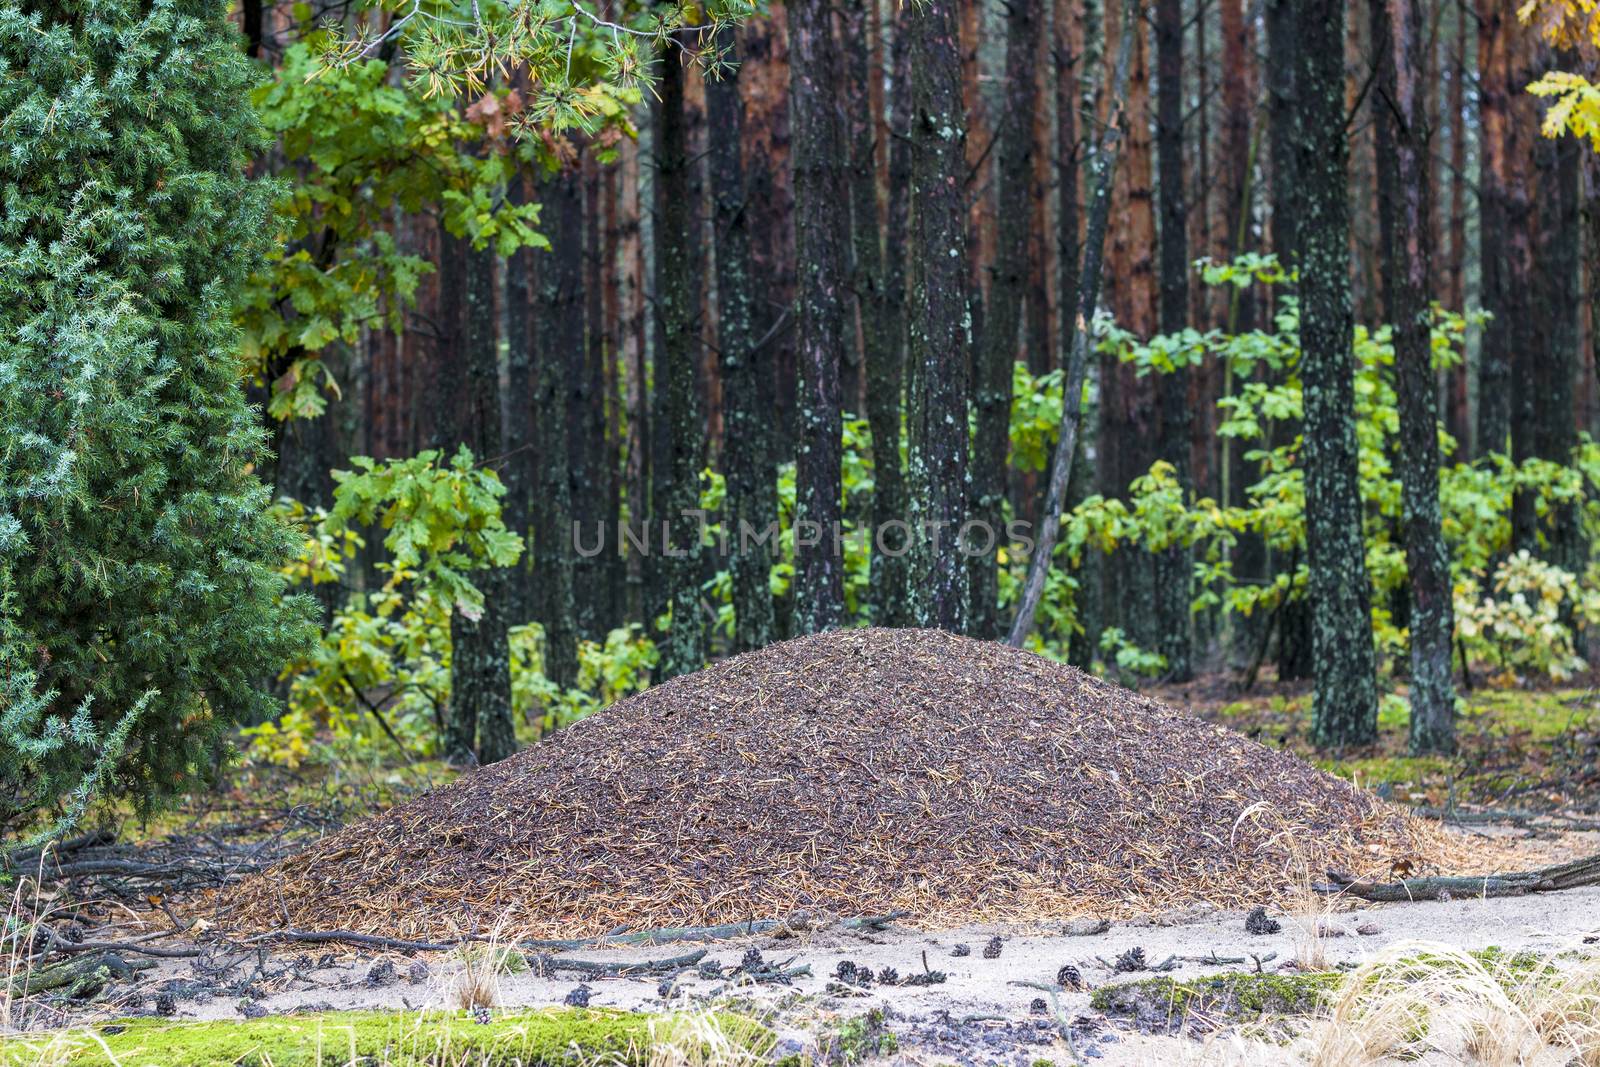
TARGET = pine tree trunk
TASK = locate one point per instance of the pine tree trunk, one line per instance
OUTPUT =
(592, 477)
(519, 471)
(1496, 25)
(1129, 426)
(937, 476)
(1457, 419)
(819, 190)
(1173, 566)
(1282, 59)
(469, 401)
(764, 86)
(1405, 220)
(1345, 703)
(1238, 102)
(1003, 315)
(880, 292)
(751, 508)
(558, 338)
(676, 514)
(1556, 313)
(1293, 654)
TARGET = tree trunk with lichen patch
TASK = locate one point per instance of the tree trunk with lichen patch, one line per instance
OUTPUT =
(820, 252)
(1405, 222)
(683, 649)
(937, 476)
(1345, 702)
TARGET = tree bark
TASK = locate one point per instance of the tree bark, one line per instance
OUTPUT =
(519, 472)
(559, 348)
(880, 288)
(937, 476)
(1129, 427)
(1496, 82)
(1174, 568)
(1345, 700)
(752, 505)
(1405, 221)
(819, 190)
(1238, 102)
(1553, 366)
(992, 371)
(677, 510)
(466, 386)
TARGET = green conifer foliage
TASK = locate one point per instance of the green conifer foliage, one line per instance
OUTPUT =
(138, 566)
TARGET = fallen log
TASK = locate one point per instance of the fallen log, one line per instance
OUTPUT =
(1569, 875)
(80, 976)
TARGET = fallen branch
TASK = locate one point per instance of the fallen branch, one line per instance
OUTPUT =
(1508, 817)
(1569, 875)
(350, 937)
(74, 948)
(616, 968)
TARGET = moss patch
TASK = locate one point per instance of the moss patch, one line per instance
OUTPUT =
(862, 1038)
(378, 1039)
(1165, 1004)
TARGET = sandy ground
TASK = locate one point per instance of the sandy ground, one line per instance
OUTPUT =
(979, 1015)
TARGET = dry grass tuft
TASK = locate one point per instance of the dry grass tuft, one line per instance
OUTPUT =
(708, 1039)
(1432, 1003)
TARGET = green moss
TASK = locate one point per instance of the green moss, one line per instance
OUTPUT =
(1396, 770)
(862, 1038)
(1237, 996)
(381, 1039)
(1541, 716)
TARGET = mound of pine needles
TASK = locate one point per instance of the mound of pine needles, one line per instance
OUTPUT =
(853, 772)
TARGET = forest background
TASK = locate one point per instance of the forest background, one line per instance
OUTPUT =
(677, 279)
(1287, 310)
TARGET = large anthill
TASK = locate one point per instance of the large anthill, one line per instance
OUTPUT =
(854, 772)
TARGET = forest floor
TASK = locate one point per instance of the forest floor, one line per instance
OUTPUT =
(1527, 772)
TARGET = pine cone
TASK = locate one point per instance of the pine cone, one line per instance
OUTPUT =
(888, 976)
(961, 950)
(991, 951)
(1258, 923)
(1131, 960)
(1069, 977)
(578, 998)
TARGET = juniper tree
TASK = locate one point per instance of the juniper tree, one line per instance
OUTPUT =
(140, 601)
